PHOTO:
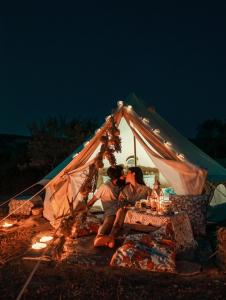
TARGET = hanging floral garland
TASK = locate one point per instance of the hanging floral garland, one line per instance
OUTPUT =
(110, 143)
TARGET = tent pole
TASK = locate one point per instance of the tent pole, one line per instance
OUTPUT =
(135, 150)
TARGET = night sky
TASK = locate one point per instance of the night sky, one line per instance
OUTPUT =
(78, 59)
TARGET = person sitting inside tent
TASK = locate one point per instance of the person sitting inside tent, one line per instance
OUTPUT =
(108, 192)
(134, 191)
(136, 188)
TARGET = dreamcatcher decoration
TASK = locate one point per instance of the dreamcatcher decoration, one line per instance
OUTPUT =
(110, 143)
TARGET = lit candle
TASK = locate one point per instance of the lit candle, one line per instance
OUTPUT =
(6, 225)
(46, 238)
(38, 246)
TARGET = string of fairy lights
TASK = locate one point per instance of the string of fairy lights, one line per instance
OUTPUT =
(156, 131)
(146, 122)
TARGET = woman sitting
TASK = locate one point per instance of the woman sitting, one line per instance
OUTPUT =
(135, 189)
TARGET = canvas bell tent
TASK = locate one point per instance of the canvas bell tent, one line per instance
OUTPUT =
(146, 138)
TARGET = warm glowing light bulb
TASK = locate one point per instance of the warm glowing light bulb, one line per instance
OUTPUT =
(120, 103)
(156, 131)
(167, 143)
(129, 107)
(180, 156)
(145, 120)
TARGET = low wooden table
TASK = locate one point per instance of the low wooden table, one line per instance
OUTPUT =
(180, 223)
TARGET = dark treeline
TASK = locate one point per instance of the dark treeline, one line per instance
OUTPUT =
(211, 138)
(25, 160)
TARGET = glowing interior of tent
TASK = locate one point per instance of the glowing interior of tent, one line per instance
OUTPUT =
(127, 154)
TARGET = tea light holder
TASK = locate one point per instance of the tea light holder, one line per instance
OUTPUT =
(38, 246)
(7, 225)
(46, 238)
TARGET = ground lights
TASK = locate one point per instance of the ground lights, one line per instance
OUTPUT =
(42, 242)
(7, 225)
(38, 246)
(46, 238)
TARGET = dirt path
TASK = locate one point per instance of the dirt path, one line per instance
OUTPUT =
(79, 282)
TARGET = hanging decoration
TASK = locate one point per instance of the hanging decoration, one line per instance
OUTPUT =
(110, 143)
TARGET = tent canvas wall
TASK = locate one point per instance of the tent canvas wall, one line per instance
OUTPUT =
(152, 150)
(180, 144)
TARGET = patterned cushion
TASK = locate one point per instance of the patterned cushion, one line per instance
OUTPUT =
(164, 232)
(142, 238)
(196, 208)
(157, 256)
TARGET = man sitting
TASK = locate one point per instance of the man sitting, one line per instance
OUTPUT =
(108, 192)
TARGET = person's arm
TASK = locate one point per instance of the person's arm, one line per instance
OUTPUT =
(92, 201)
(122, 196)
(97, 196)
(123, 199)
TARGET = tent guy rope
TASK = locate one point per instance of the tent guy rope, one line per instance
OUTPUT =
(36, 267)
(18, 194)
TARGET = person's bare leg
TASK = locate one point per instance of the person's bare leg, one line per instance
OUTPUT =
(118, 223)
(102, 239)
(106, 227)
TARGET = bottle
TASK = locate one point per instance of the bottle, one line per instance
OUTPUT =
(160, 199)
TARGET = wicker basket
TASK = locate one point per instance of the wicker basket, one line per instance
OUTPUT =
(23, 205)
